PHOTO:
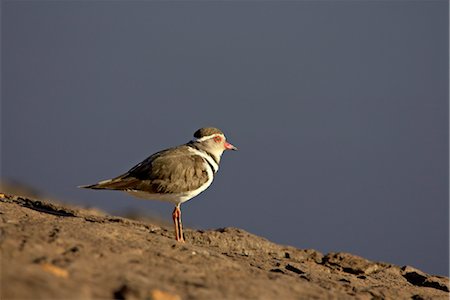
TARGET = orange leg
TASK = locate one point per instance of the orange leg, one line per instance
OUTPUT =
(176, 216)
(175, 222)
(180, 227)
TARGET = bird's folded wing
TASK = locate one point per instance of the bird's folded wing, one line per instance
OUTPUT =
(170, 171)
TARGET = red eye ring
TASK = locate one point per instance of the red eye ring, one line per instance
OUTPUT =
(217, 139)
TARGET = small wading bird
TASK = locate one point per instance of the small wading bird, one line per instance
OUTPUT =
(176, 174)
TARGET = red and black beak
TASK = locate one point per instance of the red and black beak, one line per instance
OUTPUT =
(228, 146)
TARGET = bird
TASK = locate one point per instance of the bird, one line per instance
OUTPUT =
(174, 175)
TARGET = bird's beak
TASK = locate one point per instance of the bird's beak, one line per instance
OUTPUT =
(228, 146)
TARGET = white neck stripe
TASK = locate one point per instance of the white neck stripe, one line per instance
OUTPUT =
(208, 158)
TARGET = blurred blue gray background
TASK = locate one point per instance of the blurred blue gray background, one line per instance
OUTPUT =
(339, 108)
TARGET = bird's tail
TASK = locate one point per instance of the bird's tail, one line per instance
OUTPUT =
(118, 183)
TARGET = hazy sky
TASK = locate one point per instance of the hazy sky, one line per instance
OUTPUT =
(339, 109)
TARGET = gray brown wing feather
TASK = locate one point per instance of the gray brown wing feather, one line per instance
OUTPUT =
(170, 171)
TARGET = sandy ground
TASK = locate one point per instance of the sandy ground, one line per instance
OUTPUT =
(54, 251)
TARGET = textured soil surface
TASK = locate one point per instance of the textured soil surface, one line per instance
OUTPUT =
(53, 251)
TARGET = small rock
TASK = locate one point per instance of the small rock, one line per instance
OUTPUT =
(277, 270)
(57, 271)
(294, 269)
(154, 229)
(161, 295)
(303, 276)
(413, 275)
(418, 278)
(349, 263)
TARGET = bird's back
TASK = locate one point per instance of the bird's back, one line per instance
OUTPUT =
(172, 171)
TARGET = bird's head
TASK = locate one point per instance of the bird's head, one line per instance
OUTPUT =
(212, 140)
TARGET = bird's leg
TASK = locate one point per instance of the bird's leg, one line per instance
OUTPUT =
(176, 216)
(180, 225)
(175, 221)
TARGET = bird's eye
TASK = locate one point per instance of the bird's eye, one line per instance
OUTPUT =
(217, 139)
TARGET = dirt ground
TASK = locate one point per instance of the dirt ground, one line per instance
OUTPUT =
(54, 251)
